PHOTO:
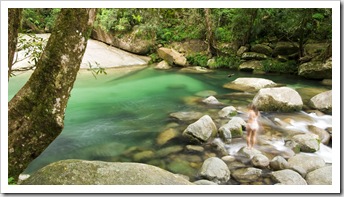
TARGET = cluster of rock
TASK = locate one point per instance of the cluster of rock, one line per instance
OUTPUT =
(311, 66)
(198, 153)
(270, 97)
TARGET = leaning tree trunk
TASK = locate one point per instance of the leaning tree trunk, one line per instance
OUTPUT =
(210, 35)
(14, 16)
(36, 112)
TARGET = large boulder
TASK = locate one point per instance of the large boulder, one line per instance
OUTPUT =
(315, 49)
(172, 56)
(249, 84)
(262, 48)
(308, 142)
(288, 177)
(246, 175)
(285, 49)
(251, 65)
(321, 176)
(128, 42)
(304, 164)
(316, 70)
(215, 170)
(322, 102)
(163, 65)
(81, 172)
(282, 99)
(201, 130)
(253, 56)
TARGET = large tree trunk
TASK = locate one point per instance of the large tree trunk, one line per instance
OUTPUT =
(210, 35)
(36, 112)
(14, 16)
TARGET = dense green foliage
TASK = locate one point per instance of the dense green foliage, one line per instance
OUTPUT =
(235, 24)
(238, 26)
(37, 20)
(272, 65)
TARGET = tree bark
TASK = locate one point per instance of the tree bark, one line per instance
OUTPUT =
(36, 112)
(210, 35)
(14, 16)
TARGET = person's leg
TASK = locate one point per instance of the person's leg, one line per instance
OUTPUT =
(248, 137)
(253, 137)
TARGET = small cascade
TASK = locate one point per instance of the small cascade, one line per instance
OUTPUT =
(279, 128)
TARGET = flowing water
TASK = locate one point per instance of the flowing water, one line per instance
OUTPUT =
(117, 114)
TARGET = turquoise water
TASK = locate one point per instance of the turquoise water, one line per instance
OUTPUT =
(110, 114)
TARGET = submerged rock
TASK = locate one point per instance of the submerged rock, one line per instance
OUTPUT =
(81, 172)
(211, 100)
(167, 136)
(187, 115)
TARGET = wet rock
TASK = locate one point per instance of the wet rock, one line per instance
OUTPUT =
(230, 130)
(327, 82)
(180, 166)
(288, 177)
(242, 50)
(219, 146)
(81, 172)
(253, 56)
(186, 115)
(172, 57)
(206, 93)
(308, 92)
(249, 84)
(303, 163)
(215, 170)
(167, 136)
(228, 158)
(143, 156)
(234, 165)
(316, 70)
(238, 120)
(282, 99)
(279, 163)
(196, 69)
(321, 176)
(211, 100)
(204, 182)
(251, 65)
(193, 148)
(322, 102)
(246, 175)
(262, 48)
(245, 154)
(227, 112)
(163, 65)
(201, 130)
(260, 161)
(168, 150)
(324, 136)
(308, 142)
(285, 49)
(315, 49)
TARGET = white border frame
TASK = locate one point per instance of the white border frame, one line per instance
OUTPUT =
(334, 188)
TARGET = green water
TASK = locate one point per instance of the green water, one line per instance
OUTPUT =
(110, 114)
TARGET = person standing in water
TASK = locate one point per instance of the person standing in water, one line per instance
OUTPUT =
(252, 125)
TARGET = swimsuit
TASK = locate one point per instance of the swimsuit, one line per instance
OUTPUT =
(254, 124)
